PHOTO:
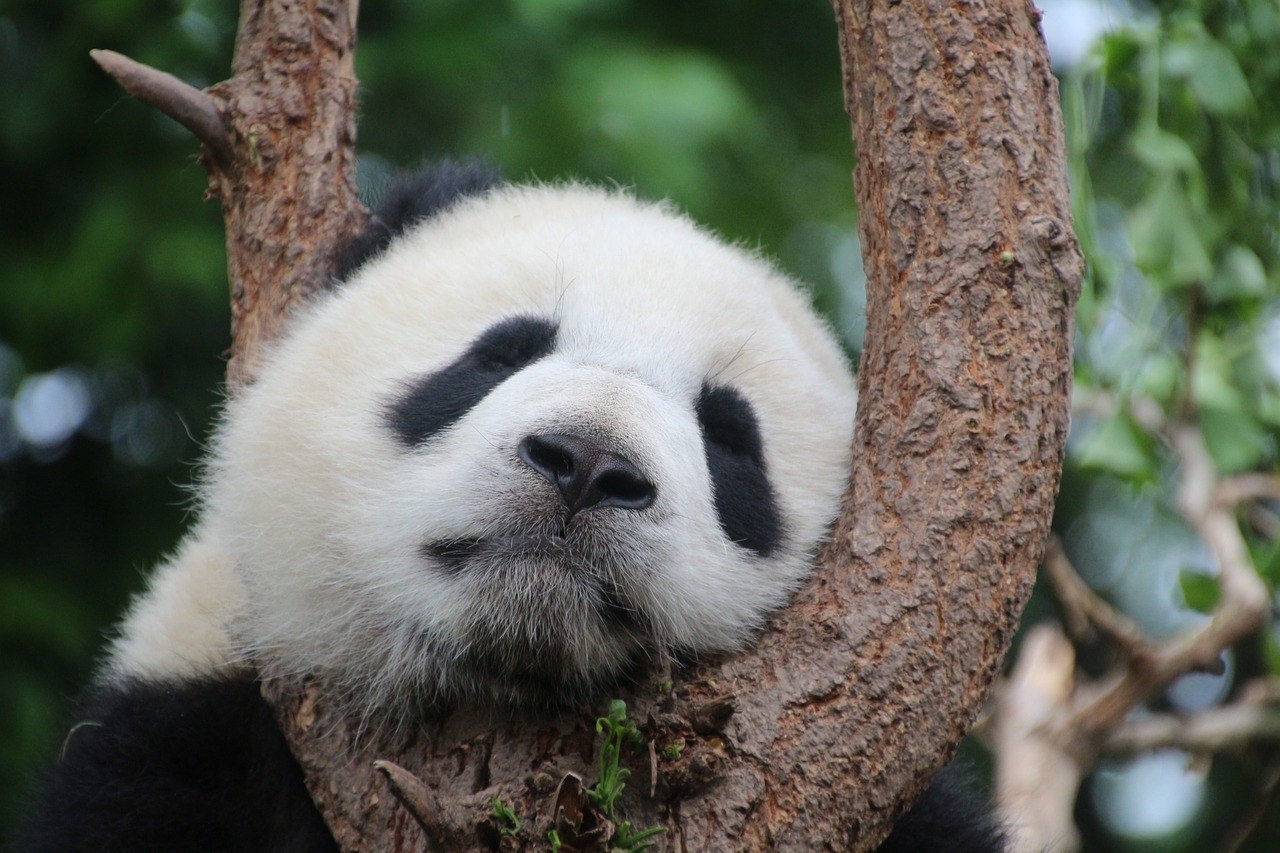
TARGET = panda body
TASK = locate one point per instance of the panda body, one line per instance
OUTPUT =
(538, 437)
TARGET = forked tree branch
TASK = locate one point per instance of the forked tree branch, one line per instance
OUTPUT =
(1045, 743)
(864, 685)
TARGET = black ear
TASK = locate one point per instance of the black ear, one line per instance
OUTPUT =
(412, 198)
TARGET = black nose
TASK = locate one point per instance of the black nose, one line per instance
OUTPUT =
(585, 474)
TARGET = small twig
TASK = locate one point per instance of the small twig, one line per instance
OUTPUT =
(1248, 487)
(1085, 610)
(413, 794)
(190, 107)
(1262, 520)
(1212, 730)
(653, 769)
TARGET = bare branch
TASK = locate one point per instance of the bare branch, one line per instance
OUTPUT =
(1035, 802)
(1248, 487)
(1045, 740)
(1240, 613)
(1085, 610)
(1208, 731)
(190, 107)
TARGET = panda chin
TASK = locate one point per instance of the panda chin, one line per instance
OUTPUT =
(546, 620)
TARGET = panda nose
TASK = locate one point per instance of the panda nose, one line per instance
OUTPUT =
(586, 475)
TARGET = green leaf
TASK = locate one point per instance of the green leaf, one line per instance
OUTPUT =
(1212, 385)
(1268, 408)
(1158, 377)
(1271, 652)
(1266, 557)
(1189, 262)
(1151, 224)
(1167, 244)
(1217, 82)
(1235, 439)
(1200, 592)
(1161, 151)
(1120, 447)
(1240, 275)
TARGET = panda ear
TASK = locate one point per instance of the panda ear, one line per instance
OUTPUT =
(412, 198)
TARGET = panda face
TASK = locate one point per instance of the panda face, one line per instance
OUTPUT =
(547, 435)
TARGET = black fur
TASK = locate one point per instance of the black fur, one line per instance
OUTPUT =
(196, 766)
(413, 198)
(949, 816)
(735, 456)
(438, 400)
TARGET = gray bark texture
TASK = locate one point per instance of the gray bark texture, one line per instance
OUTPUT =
(820, 736)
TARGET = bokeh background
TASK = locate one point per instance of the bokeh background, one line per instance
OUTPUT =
(114, 318)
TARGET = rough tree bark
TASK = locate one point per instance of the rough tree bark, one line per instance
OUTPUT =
(821, 735)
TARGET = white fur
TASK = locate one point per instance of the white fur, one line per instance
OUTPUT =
(323, 513)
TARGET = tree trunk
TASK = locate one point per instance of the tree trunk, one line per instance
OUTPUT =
(288, 197)
(822, 734)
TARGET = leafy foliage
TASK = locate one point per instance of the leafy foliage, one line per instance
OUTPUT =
(1174, 148)
(618, 732)
(507, 820)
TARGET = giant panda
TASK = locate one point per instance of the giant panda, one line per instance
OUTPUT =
(533, 437)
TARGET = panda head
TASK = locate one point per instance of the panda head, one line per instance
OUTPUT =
(542, 436)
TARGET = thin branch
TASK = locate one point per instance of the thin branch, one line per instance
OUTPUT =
(1084, 610)
(1242, 610)
(1212, 730)
(190, 107)
(1248, 487)
(1046, 740)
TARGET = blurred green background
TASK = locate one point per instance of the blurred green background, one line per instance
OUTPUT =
(113, 307)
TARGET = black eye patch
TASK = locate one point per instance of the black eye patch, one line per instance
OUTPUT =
(439, 400)
(735, 457)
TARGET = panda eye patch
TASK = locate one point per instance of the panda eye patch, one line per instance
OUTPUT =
(735, 459)
(513, 344)
(727, 420)
(438, 400)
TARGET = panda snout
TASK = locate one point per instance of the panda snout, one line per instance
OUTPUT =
(586, 474)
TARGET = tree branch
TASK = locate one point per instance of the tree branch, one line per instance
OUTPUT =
(1084, 610)
(1241, 611)
(1037, 776)
(1248, 487)
(1044, 744)
(190, 107)
(864, 685)
(1213, 730)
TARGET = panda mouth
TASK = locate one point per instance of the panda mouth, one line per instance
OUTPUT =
(454, 555)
